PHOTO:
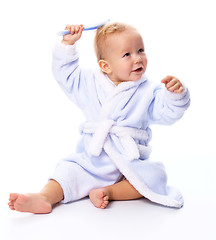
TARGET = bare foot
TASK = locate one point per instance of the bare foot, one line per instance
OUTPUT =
(99, 197)
(33, 203)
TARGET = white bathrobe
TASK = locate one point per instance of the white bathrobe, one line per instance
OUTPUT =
(116, 134)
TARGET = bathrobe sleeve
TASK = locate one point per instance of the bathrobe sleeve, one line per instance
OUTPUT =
(168, 107)
(68, 73)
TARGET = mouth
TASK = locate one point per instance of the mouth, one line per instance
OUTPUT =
(138, 70)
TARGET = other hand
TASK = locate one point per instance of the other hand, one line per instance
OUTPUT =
(172, 84)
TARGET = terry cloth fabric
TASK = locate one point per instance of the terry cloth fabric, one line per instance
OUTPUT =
(116, 131)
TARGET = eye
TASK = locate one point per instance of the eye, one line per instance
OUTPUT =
(127, 54)
(141, 50)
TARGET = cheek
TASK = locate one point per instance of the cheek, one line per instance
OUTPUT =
(122, 67)
(145, 61)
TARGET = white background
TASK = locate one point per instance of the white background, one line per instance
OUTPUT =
(39, 125)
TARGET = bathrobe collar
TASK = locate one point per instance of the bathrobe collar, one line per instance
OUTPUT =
(111, 89)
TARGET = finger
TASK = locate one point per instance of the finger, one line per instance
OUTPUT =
(67, 27)
(76, 29)
(81, 28)
(181, 89)
(72, 29)
(172, 82)
(172, 87)
(167, 79)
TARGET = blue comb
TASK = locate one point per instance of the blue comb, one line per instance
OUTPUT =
(86, 28)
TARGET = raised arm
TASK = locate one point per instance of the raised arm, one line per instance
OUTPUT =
(66, 69)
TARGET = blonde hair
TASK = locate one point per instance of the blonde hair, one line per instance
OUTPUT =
(103, 32)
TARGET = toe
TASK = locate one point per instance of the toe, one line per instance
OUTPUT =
(13, 196)
(11, 206)
(106, 198)
(102, 206)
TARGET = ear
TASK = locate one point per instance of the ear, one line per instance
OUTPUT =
(105, 67)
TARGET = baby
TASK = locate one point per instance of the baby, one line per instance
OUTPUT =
(119, 103)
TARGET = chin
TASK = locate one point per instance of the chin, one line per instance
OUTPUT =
(138, 78)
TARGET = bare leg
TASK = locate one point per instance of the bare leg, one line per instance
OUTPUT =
(41, 202)
(119, 191)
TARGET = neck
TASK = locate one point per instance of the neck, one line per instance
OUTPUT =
(113, 80)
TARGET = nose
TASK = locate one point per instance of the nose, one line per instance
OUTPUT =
(137, 59)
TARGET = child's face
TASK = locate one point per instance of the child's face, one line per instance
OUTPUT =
(126, 56)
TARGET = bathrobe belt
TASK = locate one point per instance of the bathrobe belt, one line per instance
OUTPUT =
(129, 138)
